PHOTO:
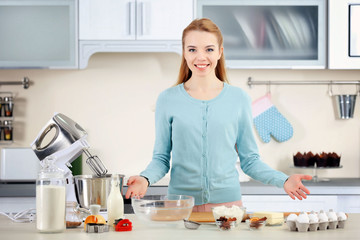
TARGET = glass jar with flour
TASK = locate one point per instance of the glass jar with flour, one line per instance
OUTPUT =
(50, 198)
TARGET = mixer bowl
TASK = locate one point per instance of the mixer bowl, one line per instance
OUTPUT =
(91, 189)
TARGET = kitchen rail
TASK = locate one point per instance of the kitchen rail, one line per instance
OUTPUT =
(309, 82)
(25, 82)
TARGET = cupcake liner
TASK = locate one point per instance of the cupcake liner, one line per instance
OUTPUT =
(333, 225)
(291, 225)
(302, 227)
(314, 226)
(341, 223)
(323, 225)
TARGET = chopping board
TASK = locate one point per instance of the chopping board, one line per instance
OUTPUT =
(208, 216)
(202, 217)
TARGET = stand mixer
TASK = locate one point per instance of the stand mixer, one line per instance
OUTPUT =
(68, 143)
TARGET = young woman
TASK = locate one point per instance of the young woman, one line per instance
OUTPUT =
(204, 125)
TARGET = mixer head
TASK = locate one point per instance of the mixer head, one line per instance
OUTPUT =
(67, 143)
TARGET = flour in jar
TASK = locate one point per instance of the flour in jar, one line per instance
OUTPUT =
(50, 208)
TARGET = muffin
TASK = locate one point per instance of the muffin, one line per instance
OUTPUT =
(322, 161)
(299, 160)
(333, 160)
(310, 159)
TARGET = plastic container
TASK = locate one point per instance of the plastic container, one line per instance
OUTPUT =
(50, 198)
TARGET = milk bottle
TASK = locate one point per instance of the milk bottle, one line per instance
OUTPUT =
(50, 198)
(115, 202)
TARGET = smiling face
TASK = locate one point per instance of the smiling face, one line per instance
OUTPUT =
(202, 52)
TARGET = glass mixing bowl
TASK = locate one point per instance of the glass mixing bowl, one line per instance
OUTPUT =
(163, 208)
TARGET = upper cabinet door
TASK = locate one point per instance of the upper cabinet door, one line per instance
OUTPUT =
(107, 19)
(163, 19)
(38, 34)
(134, 19)
(344, 34)
(270, 33)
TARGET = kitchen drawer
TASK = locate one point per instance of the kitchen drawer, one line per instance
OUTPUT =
(285, 204)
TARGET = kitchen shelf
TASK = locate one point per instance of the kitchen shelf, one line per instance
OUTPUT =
(315, 168)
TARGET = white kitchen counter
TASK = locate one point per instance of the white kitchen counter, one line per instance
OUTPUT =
(141, 230)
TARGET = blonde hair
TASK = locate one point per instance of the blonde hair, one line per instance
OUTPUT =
(205, 25)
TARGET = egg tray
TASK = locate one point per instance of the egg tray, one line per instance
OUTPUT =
(304, 227)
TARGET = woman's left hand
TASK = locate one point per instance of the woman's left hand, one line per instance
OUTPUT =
(294, 187)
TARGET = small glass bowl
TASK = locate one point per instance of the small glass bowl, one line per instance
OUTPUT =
(226, 226)
(255, 225)
(234, 211)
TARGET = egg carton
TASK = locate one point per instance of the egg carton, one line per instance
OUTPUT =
(304, 227)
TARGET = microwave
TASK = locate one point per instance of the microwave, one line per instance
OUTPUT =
(344, 34)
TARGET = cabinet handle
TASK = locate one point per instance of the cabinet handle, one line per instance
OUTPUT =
(130, 22)
(143, 18)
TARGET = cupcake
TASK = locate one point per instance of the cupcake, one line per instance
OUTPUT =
(332, 219)
(291, 221)
(310, 160)
(333, 160)
(314, 221)
(323, 220)
(299, 160)
(322, 161)
(316, 159)
(341, 219)
(303, 222)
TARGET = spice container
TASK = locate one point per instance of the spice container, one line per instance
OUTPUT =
(8, 130)
(50, 198)
(73, 219)
(0, 105)
(8, 106)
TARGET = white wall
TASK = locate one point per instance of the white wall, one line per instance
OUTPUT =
(113, 99)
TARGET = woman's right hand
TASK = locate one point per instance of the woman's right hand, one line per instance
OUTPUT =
(137, 186)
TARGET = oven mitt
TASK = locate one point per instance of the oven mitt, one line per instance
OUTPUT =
(269, 121)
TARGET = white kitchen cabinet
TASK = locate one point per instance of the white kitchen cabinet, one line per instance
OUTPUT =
(270, 33)
(106, 19)
(131, 26)
(38, 34)
(343, 44)
(284, 203)
(133, 19)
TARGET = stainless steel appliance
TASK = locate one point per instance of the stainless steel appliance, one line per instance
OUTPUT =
(94, 190)
(67, 140)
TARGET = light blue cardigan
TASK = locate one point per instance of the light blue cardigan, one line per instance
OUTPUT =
(200, 137)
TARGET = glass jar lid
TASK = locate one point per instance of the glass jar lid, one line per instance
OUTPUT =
(49, 169)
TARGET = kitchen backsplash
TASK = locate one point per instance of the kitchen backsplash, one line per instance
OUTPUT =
(114, 99)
